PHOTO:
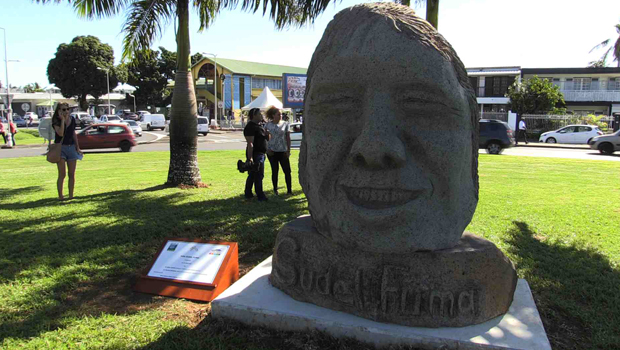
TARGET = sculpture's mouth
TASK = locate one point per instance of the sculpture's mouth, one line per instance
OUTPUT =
(380, 198)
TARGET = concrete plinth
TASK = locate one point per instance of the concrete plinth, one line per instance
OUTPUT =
(254, 301)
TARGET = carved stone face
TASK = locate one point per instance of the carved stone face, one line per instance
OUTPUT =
(388, 146)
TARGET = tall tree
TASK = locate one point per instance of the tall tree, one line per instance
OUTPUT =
(74, 69)
(145, 22)
(145, 74)
(432, 10)
(534, 96)
(33, 87)
(614, 50)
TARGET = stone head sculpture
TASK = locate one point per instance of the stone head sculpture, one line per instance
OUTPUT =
(389, 153)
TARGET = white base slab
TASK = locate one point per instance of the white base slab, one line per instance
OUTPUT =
(253, 300)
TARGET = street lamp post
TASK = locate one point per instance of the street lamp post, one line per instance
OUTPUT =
(107, 74)
(134, 102)
(214, 82)
(9, 117)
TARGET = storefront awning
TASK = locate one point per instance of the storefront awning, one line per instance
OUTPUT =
(47, 103)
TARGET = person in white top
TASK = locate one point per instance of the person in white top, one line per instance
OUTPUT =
(278, 148)
(522, 130)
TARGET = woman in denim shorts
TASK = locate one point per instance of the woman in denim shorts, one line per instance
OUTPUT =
(64, 125)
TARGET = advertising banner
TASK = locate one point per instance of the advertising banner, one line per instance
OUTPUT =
(293, 90)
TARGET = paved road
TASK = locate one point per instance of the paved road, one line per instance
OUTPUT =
(234, 140)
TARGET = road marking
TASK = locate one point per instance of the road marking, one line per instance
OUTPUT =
(158, 137)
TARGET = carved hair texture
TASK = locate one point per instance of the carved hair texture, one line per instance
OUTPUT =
(353, 26)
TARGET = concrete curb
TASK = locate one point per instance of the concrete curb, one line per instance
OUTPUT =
(553, 145)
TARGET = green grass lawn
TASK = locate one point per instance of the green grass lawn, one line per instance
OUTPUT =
(28, 137)
(67, 269)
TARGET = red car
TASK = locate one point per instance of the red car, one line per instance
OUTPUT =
(107, 136)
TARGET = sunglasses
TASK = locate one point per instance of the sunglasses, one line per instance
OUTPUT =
(64, 109)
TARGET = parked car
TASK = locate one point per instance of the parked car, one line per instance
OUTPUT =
(109, 118)
(153, 121)
(134, 126)
(202, 127)
(141, 113)
(20, 122)
(495, 136)
(34, 116)
(296, 132)
(107, 136)
(606, 144)
(571, 134)
(82, 119)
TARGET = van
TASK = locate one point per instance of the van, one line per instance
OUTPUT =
(152, 121)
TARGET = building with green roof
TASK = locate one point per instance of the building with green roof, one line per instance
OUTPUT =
(243, 82)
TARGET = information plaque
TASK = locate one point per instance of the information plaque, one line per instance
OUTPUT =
(191, 269)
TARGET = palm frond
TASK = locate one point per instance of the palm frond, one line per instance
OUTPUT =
(99, 8)
(288, 12)
(92, 8)
(602, 44)
(144, 24)
(207, 10)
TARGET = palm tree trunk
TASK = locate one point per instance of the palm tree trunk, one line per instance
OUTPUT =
(432, 12)
(183, 169)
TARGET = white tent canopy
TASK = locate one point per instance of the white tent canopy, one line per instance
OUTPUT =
(265, 100)
(124, 87)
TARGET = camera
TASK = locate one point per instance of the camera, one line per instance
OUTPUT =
(243, 167)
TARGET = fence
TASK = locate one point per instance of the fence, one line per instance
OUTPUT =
(503, 116)
(537, 124)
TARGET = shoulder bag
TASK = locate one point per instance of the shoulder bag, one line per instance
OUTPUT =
(55, 150)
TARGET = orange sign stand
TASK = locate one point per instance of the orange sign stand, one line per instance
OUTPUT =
(158, 278)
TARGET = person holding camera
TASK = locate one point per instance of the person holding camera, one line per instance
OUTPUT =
(256, 138)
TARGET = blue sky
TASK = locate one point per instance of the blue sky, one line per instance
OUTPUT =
(527, 33)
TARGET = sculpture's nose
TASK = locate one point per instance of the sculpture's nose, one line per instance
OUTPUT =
(379, 146)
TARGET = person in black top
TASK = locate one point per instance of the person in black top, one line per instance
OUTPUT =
(64, 126)
(256, 137)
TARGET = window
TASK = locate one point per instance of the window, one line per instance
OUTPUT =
(273, 84)
(614, 84)
(116, 130)
(497, 86)
(474, 84)
(582, 84)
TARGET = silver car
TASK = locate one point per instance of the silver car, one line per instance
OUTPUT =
(606, 144)
(295, 130)
(135, 127)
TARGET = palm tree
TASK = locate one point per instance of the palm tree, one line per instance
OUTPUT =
(615, 48)
(432, 10)
(146, 20)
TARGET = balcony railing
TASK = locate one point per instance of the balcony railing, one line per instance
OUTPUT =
(591, 95)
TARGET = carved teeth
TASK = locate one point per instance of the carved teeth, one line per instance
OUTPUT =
(375, 198)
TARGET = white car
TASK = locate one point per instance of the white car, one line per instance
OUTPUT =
(134, 126)
(203, 126)
(34, 116)
(571, 134)
(606, 144)
(295, 130)
(109, 119)
(141, 113)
